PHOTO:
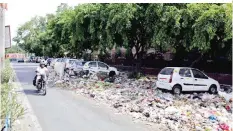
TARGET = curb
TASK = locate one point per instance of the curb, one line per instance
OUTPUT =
(25, 103)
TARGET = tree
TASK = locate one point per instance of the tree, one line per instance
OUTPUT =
(14, 49)
(28, 35)
(180, 28)
(211, 30)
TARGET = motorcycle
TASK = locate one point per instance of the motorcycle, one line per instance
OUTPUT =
(41, 83)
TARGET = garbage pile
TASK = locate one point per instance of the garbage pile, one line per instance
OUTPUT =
(200, 112)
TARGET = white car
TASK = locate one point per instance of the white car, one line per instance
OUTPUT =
(178, 79)
(97, 66)
(77, 66)
(62, 64)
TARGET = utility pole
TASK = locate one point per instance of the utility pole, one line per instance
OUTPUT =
(2, 33)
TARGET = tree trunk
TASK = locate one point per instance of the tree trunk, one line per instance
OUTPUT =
(139, 58)
(197, 60)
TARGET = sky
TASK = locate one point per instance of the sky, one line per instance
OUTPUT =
(22, 11)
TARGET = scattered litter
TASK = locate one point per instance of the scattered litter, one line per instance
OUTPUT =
(141, 99)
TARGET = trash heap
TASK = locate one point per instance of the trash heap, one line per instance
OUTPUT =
(139, 98)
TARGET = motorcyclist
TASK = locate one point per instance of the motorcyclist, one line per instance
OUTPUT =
(42, 69)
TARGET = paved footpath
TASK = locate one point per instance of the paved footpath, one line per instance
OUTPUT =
(62, 110)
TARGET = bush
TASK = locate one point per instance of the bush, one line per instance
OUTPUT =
(6, 73)
(9, 105)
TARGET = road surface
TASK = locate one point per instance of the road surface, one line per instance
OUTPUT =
(61, 110)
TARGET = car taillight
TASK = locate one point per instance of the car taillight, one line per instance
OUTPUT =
(170, 80)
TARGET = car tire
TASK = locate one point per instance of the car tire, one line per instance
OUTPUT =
(229, 90)
(112, 73)
(177, 89)
(213, 89)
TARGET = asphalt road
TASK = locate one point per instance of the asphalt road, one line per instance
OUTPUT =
(62, 110)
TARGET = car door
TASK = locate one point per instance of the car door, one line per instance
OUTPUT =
(77, 65)
(200, 81)
(186, 79)
(93, 66)
(103, 67)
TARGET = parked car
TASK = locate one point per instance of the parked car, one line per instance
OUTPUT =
(49, 60)
(62, 64)
(20, 60)
(27, 60)
(97, 66)
(77, 66)
(178, 79)
(38, 59)
(32, 59)
(13, 60)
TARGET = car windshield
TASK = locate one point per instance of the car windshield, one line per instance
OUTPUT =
(79, 63)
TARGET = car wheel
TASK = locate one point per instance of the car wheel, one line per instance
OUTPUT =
(213, 89)
(177, 89)
(229, 90)
(112, 73)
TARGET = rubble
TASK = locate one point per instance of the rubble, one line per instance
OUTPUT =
(140, 98)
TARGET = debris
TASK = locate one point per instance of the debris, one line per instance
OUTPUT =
(141, 99)
(92, 95)
(224, 127)
(146, 114)
(116, 105)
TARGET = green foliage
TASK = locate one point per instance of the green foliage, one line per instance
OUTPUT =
(14, 49)
(6, 73)
(179, 27)
(118, 53)
(9, 105)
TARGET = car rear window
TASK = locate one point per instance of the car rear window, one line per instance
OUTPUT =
(71, 61)
(166, 71)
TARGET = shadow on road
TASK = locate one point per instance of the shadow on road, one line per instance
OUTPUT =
(31, 92)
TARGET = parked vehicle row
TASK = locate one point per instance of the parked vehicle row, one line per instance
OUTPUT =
(20, 60)
(175, 79)
(60, 65)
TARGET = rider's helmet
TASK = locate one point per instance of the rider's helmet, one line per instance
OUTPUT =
(43, 62)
